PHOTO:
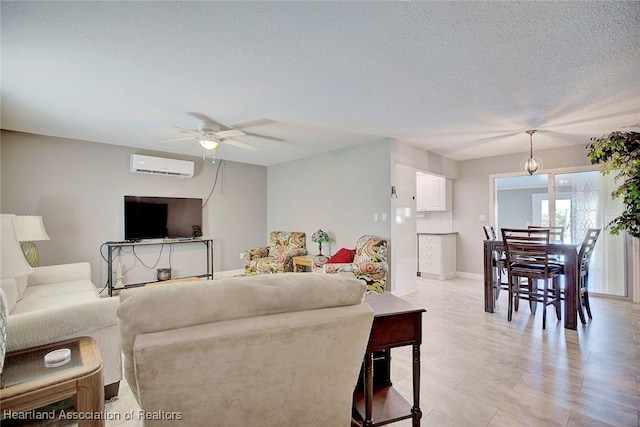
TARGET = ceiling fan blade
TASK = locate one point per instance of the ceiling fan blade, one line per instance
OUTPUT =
(229, 133)
(257, 135)
(202, 117)
(240, 144)
(188, 130)
(253, 123)
(191, 138)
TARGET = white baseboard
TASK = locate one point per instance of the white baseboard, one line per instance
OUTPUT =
(227, 273)
(472, 276)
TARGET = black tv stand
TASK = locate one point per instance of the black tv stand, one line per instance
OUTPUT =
(208, 243)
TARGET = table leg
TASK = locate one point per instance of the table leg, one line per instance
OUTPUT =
(570, 289)
(89, 399)
(415, 410)
(368, 389)
(489, 298)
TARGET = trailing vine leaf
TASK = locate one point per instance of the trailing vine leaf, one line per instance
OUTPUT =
(620, 151)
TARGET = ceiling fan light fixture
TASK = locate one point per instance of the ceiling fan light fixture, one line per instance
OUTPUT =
(532, 164)
(208, 143)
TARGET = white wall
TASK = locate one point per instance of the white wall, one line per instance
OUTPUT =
(471, 197)
(422, 160)
(78, 188)
(337, 191)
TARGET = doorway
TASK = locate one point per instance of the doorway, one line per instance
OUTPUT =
(576, 200)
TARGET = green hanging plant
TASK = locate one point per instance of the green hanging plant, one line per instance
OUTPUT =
(620, 151)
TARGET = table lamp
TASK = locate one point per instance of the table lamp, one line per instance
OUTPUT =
(30, 229)
(319, 237)
(12, 264)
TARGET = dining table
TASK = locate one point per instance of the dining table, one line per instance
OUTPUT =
(567, 252)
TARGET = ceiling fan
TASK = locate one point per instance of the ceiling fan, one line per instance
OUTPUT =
(212, 134)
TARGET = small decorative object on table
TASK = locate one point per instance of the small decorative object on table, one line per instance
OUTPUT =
(319, 237)
(56, 358)
(197, 231)
(164, 274)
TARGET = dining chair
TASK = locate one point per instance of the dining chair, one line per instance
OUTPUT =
(527, 256)
(555, 233)
(498, 262)
(584, 256)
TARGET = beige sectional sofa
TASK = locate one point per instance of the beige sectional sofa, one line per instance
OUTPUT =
(58, 302)
(270, 350)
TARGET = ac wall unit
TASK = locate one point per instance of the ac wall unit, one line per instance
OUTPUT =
(161, 166)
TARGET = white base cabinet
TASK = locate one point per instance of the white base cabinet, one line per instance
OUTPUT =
(437, 255)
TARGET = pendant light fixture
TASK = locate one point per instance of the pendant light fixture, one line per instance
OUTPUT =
(532, 164)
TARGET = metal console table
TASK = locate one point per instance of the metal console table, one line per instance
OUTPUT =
(208, 243)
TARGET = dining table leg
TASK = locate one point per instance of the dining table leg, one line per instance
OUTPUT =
(570, 289)
(489, 297)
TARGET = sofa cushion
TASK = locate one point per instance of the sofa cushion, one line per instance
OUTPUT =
(28, 304)
(55, 289)
(10, 288)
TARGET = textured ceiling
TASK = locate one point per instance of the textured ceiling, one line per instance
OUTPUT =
(463, 79)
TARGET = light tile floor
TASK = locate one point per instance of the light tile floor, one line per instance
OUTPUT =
(480, 370)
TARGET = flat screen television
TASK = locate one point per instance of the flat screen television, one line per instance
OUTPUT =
(161, 217)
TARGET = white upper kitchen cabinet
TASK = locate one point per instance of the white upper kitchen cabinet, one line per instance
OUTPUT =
(433, 193)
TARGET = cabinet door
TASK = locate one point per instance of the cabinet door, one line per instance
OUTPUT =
(433, 193)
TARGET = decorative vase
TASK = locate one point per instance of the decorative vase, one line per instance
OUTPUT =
(164, 274)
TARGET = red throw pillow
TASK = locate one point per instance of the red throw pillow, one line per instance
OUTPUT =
(342, 256)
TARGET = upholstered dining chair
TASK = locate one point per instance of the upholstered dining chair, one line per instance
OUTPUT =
(498, 262)
(277, 257)
(584, 256)
(527, 256)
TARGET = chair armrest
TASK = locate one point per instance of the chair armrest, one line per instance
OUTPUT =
(250, 254)
(337, 268)
(296, 252)
(374, 274)
(370, 267)
(60, 273)
(40, 327)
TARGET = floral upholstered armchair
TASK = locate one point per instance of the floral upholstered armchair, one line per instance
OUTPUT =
(369, 263)
(278, 256)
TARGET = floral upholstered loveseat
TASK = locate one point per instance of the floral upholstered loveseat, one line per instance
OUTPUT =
(278, 256)
(369, 263)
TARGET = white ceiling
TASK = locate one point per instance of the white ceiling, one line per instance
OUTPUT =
(463, 79)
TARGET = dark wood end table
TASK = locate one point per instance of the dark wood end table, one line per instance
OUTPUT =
(396, 323)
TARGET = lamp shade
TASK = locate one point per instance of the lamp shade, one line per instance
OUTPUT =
(320, 236)
(30, 228)
(12, 261)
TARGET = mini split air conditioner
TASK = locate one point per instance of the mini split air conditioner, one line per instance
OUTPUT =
(161, 166)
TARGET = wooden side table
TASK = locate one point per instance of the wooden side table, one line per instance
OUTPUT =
(27, 384)
(303, 260)
(396, 323)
